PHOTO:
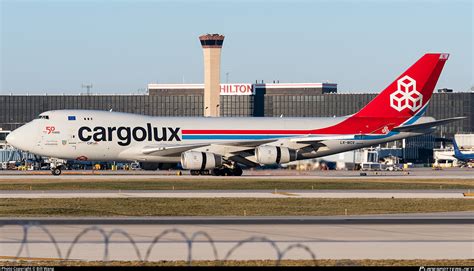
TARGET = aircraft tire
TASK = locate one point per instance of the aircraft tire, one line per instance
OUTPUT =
(237, 171)
(205, 172)
(226, 172)
(216, 172)
(195, 172)
(56, 171)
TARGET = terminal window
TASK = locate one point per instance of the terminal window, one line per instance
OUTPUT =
(3, 136)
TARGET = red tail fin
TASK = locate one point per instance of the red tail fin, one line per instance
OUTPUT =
(406, 97)
(410, 92)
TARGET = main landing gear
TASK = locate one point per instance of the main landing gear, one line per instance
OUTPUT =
(236, 171)
(227, 169)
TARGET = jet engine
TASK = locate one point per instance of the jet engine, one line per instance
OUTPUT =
(200, 160)
(269, 155)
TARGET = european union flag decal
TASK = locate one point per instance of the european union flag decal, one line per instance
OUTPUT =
(71, 118)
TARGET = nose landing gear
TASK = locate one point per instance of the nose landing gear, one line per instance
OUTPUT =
(56, 166)
(56, 171)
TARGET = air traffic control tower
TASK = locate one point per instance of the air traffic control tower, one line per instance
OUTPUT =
(211, 46)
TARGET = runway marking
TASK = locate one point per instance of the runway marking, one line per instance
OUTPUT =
(285, 194)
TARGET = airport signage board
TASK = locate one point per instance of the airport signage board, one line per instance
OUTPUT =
(237, 89)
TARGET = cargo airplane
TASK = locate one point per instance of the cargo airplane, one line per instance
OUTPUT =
(220, 146)
(464, 157)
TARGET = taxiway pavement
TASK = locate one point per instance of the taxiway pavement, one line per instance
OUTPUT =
(415, 173)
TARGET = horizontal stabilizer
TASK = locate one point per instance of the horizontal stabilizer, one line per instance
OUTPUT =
(426, 125)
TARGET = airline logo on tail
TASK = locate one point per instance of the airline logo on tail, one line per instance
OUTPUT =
(406, 95)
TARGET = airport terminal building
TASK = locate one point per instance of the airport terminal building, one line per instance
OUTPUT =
(244, 100)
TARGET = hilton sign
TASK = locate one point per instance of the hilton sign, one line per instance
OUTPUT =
(237, 89)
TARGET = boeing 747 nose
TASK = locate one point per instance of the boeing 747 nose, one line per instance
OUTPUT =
(22, 138)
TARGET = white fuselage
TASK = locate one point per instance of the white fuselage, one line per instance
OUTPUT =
(112, 136)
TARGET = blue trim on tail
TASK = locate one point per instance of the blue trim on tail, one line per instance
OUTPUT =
(417, 116)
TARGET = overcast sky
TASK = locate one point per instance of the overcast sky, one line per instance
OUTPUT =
(121, 46)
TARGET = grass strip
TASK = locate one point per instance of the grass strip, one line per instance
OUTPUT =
(104, 207)
(234, 184)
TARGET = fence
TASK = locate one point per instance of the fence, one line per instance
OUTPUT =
(150, 250)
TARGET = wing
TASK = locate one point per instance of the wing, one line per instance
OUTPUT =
(318, 139)
(224, 148)
(242, 152)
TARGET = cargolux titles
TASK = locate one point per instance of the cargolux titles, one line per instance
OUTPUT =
(125, 135)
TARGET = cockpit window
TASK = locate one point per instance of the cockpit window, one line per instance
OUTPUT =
(43, 117)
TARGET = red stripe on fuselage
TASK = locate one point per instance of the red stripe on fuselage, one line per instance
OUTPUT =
(352, 125)
(246, 132)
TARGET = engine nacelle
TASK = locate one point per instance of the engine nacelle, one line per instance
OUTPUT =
(269, 155)
(200, 160)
